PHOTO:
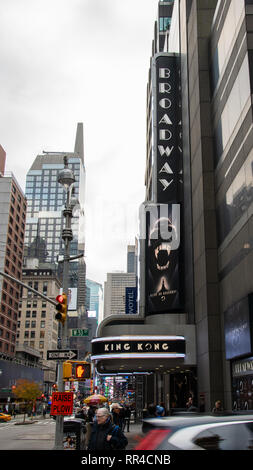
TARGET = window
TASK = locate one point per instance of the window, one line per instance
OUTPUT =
(42, 324)
(232, 436)
(227, 36)
(234, 106)
(164, 23)
(237, 200)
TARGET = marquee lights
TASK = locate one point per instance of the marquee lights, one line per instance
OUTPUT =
(137, 356)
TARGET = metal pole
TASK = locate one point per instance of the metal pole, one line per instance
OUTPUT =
(28, 288)
(63, 329)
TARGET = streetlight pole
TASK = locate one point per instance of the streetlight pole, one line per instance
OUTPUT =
(67, 179)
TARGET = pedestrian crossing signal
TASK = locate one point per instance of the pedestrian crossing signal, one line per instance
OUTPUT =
(82, 371)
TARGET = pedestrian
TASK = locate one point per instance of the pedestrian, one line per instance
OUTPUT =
(217, 407)
(160, 411)
(117, 415)
(44, 410)
(80, 413)
(91, 413)
(127, 418)
(104, 434)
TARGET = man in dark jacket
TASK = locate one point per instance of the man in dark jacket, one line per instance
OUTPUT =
(105, 435)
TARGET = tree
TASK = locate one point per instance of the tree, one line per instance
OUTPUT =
(28, 391)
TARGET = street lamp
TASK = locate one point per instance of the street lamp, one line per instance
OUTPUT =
(66, 178)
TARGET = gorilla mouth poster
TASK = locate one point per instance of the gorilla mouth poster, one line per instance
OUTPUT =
(163, 286)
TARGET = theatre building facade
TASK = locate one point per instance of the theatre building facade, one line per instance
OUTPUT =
(193, 334)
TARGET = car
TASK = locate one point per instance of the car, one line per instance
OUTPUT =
(4, 417)
(198, 432)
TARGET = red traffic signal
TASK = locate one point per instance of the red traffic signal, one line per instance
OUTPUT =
(61, 308)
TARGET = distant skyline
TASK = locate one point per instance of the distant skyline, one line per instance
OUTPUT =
(81, 61)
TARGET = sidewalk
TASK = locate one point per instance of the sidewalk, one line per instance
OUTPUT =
(134, 436)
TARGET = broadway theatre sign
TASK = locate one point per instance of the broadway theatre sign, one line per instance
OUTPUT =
(132, 347)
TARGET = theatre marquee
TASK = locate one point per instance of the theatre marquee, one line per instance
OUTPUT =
(138, 347)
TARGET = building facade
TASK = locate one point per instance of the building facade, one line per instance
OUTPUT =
(95, 299)
(46, 200)
(37, 327)
(213, 41)
(232, 126)
(115, 292)
(12, 235)
(132, 258)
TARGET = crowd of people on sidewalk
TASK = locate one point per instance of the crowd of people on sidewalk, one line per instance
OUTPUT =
(105, 425)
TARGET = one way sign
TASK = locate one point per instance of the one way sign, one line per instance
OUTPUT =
(62, 354)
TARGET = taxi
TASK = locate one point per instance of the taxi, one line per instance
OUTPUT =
(4, 417)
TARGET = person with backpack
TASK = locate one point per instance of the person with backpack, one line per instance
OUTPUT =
(104, 434)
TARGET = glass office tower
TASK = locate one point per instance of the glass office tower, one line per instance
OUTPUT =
(46, 200)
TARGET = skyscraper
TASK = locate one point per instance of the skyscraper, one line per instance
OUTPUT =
(12, 230)
(46, 200)
(132, 258)
(95, 299)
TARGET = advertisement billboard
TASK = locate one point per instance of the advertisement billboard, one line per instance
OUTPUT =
(164, 290)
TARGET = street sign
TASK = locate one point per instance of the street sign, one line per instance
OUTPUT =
(62, 403)
(79, 332)
(62, 354)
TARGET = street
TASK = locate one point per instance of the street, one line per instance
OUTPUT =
(37, 436)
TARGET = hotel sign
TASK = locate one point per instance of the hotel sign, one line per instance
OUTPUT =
(134, 347)
(131, 300)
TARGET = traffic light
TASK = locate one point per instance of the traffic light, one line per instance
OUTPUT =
(82, 371)
(67, 370)
(61, 308)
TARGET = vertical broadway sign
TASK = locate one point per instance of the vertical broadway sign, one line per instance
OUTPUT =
(163, 255)
(168, 178)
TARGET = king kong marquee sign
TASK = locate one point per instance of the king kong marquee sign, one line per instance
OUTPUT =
(142, 347)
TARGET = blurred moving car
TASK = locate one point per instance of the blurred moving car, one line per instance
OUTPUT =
(234, 432)
(4, 417)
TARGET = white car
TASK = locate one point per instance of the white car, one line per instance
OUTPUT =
(199, 432)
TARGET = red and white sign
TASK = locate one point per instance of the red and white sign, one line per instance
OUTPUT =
(62, 403)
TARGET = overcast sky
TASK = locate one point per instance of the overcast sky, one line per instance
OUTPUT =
(69, 61)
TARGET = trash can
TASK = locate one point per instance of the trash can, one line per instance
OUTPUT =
(74, 434)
